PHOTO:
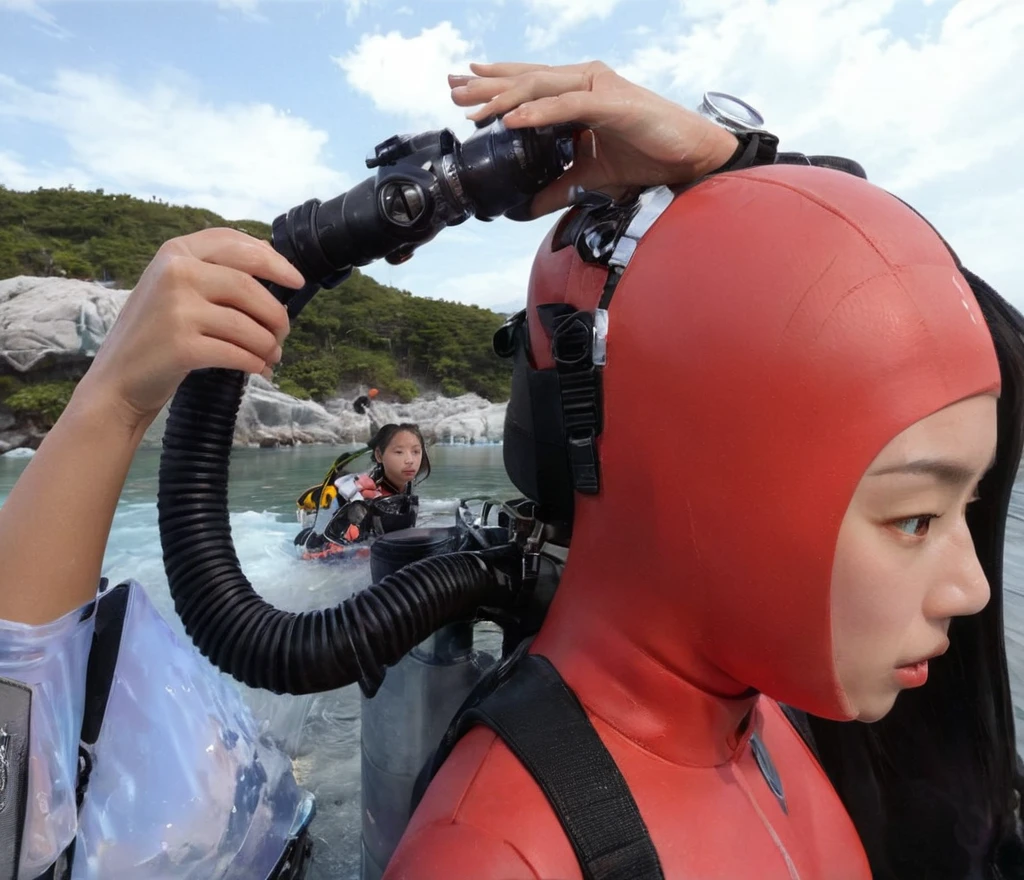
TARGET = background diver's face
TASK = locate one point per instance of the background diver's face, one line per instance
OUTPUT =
(905, 563)
(402, 458)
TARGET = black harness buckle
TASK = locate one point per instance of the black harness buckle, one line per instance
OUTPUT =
(572, 347)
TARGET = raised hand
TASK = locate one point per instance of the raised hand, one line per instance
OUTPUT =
(633, 137)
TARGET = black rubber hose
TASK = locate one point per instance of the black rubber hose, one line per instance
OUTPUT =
(239, 631)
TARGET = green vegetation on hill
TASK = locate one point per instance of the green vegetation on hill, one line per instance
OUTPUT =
(364, 332)
(95, 235)
(360, 332)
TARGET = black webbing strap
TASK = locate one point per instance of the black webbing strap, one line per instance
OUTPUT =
(99, 677)
(753, 148)
(544, 725)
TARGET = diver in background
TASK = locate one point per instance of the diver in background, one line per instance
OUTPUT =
(400, 461)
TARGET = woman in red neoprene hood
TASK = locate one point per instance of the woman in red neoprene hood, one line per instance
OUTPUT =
(841, 405)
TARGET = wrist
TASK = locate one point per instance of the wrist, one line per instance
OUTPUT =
(99, 409)
(717, 148)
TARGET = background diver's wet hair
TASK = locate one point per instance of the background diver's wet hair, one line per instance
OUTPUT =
(934, 787)
(382, 439)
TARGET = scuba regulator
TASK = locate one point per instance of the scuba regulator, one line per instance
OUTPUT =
(422, 184)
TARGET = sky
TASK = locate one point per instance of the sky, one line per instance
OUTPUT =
(249, 107)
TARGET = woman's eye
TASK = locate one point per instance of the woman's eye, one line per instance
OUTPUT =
(917, 526)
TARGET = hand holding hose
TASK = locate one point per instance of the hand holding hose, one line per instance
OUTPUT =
(197, 305)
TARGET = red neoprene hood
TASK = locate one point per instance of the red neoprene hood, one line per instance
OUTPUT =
(772, 332)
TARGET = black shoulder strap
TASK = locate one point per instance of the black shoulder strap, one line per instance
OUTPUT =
(99, 676)
(544, 725)
(106, 645)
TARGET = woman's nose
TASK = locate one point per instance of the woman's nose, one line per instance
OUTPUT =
(963, 588)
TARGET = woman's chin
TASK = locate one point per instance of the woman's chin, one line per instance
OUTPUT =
(873, 708)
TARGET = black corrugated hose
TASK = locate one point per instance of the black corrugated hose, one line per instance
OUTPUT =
(239, 631)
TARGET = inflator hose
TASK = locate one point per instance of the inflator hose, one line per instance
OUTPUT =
(239, 631)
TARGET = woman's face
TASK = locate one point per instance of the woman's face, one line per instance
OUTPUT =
(905, 563)
(401, 459)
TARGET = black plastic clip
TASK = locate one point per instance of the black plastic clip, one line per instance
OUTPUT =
(580, 391)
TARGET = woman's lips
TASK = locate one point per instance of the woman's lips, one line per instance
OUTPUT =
(912, 676)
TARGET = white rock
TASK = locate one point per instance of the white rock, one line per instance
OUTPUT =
(65, 317)
(468, 418)
(269, 416)
(20, 452)
(54, 316)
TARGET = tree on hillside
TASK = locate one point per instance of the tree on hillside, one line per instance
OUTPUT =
(359, 333)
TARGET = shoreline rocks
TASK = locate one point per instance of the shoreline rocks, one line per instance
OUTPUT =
(50, 328)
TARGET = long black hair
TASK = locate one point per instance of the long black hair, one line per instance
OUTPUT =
(934, 788)
(382, 439)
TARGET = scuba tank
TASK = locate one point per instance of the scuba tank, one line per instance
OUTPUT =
(403, 723)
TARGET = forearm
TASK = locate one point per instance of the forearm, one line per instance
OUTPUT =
(55, 523)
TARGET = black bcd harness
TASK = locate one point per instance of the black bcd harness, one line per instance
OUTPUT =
(525, 701)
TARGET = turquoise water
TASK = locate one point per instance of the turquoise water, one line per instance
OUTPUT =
(322, 731)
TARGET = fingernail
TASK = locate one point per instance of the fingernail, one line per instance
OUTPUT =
(275, 357)
(267, 374)
(457, 79)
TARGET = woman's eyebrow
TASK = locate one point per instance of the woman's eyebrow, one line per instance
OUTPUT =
(949, 473)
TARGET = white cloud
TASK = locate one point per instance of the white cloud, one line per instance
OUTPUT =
(406, 76)
(14, 174)
(486, 265)
(352, 9)
(835, 75)
(559, 16)
(928, 116)
(34, 9)
(480, 20)
(245, 161)
(502, 288)
(29, 7)
(985, 231)
(248, 8)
